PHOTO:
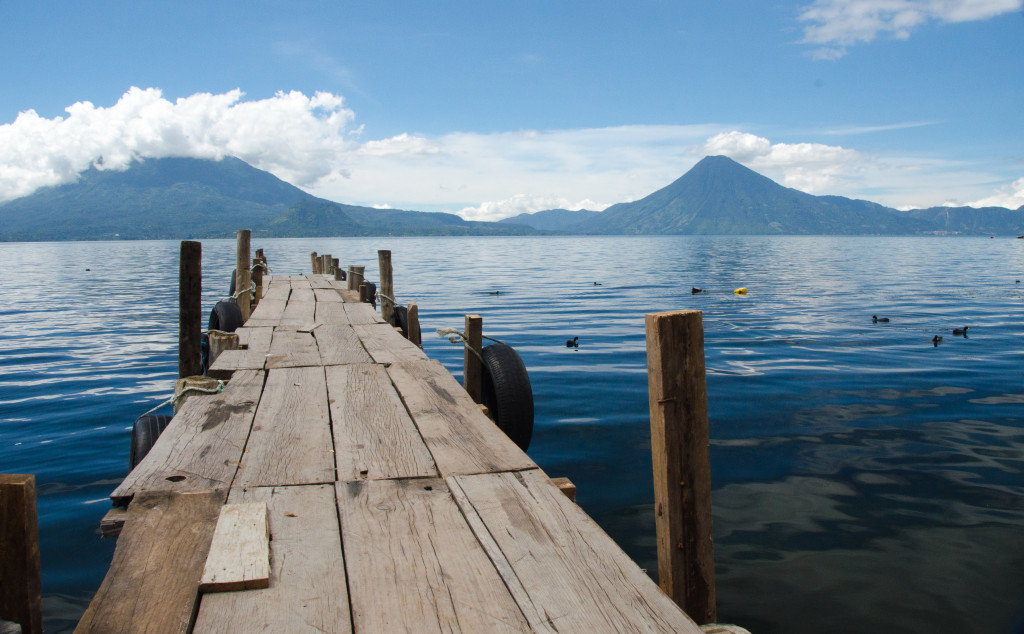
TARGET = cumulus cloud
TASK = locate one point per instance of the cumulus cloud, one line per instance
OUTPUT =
(810, 167)
(1010, 196)
(837, 24)
(525, 204)
(296, 137)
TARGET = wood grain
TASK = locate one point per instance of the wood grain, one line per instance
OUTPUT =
(680, 458)
(201, 447)
(374, 438)
(575, 576)
(290, 441)
(333, 313)
(307, 590)
(254, 357)
(20, 580)
(239, 557)
(277, 288)
(460, 438)
(299, 314)
(386, 345)
(292, 349)
(359, 312)
(339, 345)
(153, 579)
(414, 565)
(318, 281)
(327, 294)
(268, 312)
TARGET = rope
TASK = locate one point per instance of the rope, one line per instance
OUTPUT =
(260, 265)
(455, 336)
(251, 289)
(390, 299)
(191, 388)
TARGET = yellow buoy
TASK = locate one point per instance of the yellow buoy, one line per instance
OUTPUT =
(740, 291)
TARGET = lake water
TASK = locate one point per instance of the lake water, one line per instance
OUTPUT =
(863, 478)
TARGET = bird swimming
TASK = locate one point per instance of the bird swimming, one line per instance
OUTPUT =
(695, 290)
(573, 343)
(598, 284)
(935, 340)
(961, 331)
(875, 319)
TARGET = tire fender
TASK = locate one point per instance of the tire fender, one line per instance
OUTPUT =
(145, 431)
(507, 393)
(226, 316)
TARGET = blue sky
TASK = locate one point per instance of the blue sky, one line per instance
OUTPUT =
(490, 109)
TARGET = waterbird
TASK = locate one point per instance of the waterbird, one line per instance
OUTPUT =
(935, 340)
(598, 284)
(875, 319)
(494, 292)
(961, 331)
(695, 290)
(573, 343)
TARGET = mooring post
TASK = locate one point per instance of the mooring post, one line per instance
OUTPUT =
(313, 262)
(258, 264)
(387, 287)
(677, 390)
(355, 277)
(20, 581)
(472, 368)
(243, 276)
(413, 317)
(190, 309)
(325, 264)
(339, 274)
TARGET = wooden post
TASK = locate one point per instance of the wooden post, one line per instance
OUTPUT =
(325, 264)
(20, 581)
(472, 368)
(682, 470)
(339, 274)
(259, 253)
(355, 277)
(334, 267)
(190, 309)
(387, 287)
(313, 262)
(258, 264)
(243, 276)
(413, 316)
(221, 341)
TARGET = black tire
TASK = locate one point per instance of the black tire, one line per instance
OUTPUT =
(234, 273)
(225, 316)
(507, 393)
(402, 320)
(144, 434)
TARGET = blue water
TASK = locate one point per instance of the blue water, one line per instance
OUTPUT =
(863, 479)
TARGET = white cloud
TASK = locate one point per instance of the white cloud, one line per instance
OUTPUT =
(811, 167)
(294, 136)
(1010, 196)
(311, 142)
(524, 204)
(836, 24)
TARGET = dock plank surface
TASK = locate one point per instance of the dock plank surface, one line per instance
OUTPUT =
(392, 501)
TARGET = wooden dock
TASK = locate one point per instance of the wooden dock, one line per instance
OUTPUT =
(391, 503)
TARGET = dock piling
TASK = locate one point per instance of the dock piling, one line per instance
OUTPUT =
(190, 309)
(387, 287)
(314, 262)
(682, 471)
(472, 368)
(355, 277)
(413, 317)
(20, 581)
(243, 276)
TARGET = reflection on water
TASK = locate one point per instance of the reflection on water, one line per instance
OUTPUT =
(863, 479)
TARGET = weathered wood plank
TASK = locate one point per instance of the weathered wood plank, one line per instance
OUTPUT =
(415, 566)
(374, 438)
(307, 590)
(290, 441)
(299, 314)
(318, 281)
(252, 358)
(292, 349)
(360, 312)
(327, 295)
(574, 574)
(153, 579)
(239, 557)
(277, 288)
(460, 438)
(339, 345)
(386, 345)
(301, 293)
(202, 445)
(268, 312)
(331, 313)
